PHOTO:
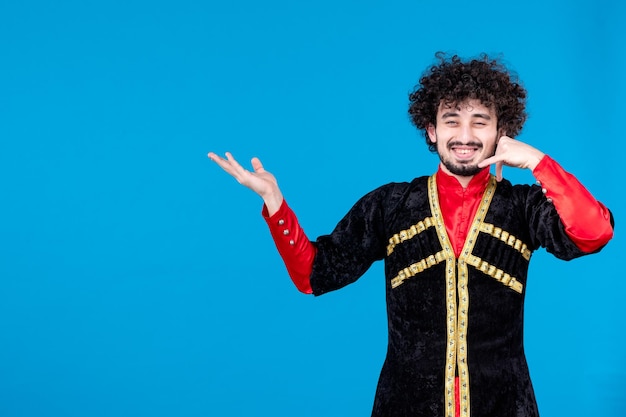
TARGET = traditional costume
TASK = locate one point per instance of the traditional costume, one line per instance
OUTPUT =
(456, 263)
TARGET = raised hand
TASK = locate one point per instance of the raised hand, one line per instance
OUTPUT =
(260, 181)
(513, 153)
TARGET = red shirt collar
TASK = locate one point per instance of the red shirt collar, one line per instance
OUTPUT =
(477, 184)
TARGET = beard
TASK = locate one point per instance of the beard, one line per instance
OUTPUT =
(464, 169)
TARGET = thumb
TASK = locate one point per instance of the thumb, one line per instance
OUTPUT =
(257, 165)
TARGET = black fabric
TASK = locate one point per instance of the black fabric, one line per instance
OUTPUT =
(412, 382)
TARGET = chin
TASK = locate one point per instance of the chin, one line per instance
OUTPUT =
(463, 170)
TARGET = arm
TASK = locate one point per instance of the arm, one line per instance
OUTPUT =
(587, 222)
(292, 243)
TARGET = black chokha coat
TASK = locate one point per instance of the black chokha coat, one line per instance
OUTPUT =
(447, 317)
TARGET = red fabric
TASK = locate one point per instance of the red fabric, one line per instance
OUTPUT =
(293, 245)
(457, 398)
(586, 220)
(459, 205)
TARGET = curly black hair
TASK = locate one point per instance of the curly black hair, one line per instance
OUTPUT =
(454, 81)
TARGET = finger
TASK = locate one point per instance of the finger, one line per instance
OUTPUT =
(214, 157)
(229, 165)
(499, 171)
(488, 161)
(257, 165)
(238, 170)
(224, 164)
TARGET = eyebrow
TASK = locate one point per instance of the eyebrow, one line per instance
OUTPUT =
(475, 115)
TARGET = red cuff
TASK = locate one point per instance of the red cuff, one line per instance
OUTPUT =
(293, 245)
(587, 221)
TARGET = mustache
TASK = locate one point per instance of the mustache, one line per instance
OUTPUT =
(459, 143)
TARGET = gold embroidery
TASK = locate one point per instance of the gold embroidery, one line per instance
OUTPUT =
(416, 268)
(463, 291)
(497, 274)
(507, 238)
(409, 233)
(451, 307)
(457, 292)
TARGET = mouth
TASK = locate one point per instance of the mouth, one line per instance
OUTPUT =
(465, 152)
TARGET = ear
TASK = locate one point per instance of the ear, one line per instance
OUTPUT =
(431, 133)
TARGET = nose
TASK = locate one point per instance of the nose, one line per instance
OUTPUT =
(466, 133)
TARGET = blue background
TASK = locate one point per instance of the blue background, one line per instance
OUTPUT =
(137, 279)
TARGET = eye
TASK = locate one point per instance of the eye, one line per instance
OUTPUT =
(451, 122)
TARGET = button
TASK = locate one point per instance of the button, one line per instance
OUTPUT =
(538, 182)
(286, 232)
(281, 222)
(549, 200)
(292, 242)
(543, 190)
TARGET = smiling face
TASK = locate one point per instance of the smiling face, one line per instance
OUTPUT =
(466, 133)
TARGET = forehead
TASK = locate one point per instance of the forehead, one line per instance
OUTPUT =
(467, 107)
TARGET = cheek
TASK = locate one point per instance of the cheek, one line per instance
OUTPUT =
(491, 146)
(490, 139)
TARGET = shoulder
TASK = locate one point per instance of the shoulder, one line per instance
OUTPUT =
(395, 197)
(519, 194)
(523, 189)
(398, 190)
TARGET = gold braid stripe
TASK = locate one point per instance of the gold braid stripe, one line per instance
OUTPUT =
(409, 233)
(416, 268)
(507, 238)
(462, 363)
(497, 274)
(451, 297)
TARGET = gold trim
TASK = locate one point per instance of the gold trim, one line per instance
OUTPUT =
(457, 311)
(409, 233)
(507, 238)
(463, 290)
(497, 274)
(416, 268)
(451, 307)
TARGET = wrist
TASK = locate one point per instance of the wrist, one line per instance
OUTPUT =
(535, 159)
(273, 201)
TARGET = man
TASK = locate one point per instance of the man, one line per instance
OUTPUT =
(456, 246)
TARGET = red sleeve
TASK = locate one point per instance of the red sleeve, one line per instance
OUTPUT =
(293, 245)
(587, 221)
